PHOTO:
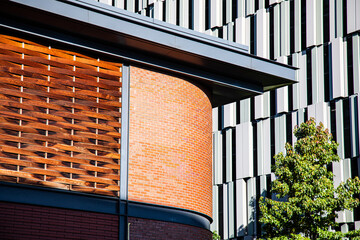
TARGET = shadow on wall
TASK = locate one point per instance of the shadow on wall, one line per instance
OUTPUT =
(253, 227)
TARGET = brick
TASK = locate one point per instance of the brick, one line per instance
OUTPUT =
(170, 142)
(29, 222)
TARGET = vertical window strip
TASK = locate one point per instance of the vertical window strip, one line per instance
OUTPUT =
(303, 24)
(233, 151)
(333, 119)
(191, 14)
(289, 129)
(272, 135)
(234, 10)
(327, 73)
(178, 12)
(252, 35)
(292, 26)
(271, 30)
(344, 15)
(164, 10)
(256, 5)
(224, 15)
(326, 21)
(347, 127)
(272, 102)
(207, 14)
(350, 67)
(255, 163)
(309, 76)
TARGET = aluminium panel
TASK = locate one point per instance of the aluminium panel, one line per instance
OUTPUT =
(241, 8)
(357, 20)
(336, 16)
(245, 110)
(199, 15)
(340, 128)
(241, 207)
(119, 3)
(170, 10)
(311, 111)
(251, 206)
(230, 31)
(249, 7)
(262, 106)
(228, 11)
(260, 148)
(244, 150)
(216, 10)
(339, 77)
(322, 114)
(184, 14)
(215, 119)
(231, 209)
(109, 2)
(332, 18)
(277, 29)
(318, 86)
(297, 25)
(285, 28)
(217, 157)
(228, 154)
(354, 125)
(242, 29)
(225, 31)
(267, 146)
(301, 116)
(282, 98)
(262, 33)
(356, 61)
(158, 10)
(296, 88)
(314, 13)
(294, 122)
(229, 115)
(280, 134)
(351, 15)
(225, 212)
(215, 204)
(303, 88)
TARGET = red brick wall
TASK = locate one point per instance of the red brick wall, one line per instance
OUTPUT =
(20, 221)
(157, 230)
(170, 142)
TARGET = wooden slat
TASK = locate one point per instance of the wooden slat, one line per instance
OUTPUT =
(59, 117)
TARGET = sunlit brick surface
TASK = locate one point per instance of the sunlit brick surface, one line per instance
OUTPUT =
(170, 142)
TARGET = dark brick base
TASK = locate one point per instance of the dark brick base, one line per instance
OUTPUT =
(141, 229)
(20, 221)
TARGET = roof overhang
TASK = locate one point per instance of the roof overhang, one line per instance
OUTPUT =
(226, 68)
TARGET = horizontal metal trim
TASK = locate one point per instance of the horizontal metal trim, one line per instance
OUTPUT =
(241, 88)
(49, 197)
(217, 62)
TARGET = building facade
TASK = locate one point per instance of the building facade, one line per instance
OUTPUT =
(106, 121)
(322, 39)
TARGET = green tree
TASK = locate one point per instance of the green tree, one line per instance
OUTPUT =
(305, 202)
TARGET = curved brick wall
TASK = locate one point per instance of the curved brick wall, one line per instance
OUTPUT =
(170, 142)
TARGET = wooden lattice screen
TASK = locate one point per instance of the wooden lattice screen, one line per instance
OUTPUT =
(59, 118)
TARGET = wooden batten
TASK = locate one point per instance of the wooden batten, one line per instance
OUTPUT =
(60, 114)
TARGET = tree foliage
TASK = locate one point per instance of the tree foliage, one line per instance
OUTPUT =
(305, 202)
